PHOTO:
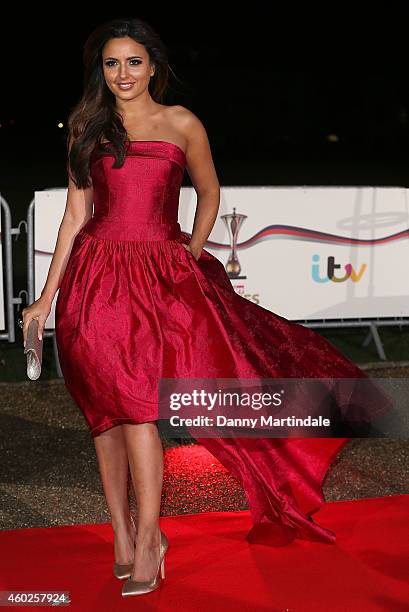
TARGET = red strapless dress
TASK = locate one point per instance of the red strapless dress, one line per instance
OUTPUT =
(135, 306)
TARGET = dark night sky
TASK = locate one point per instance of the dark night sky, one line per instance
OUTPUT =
(265, 84)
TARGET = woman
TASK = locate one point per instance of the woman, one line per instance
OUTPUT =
(139, 300)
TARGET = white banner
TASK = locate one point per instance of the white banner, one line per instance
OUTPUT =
(316, 252)
(48, 214)
(303, 253)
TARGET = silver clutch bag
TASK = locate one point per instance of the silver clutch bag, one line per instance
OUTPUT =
(33, 350)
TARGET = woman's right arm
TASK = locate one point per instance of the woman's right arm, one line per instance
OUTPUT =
(78, 210)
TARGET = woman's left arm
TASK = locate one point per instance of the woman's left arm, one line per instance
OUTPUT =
(202, 172)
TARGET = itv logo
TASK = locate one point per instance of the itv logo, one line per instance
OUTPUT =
(350, 273)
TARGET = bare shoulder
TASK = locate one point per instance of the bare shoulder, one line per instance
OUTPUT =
(199, 157)
(188, 124)
(182, 114)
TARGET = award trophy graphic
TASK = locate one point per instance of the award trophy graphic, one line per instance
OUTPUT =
(233, 223)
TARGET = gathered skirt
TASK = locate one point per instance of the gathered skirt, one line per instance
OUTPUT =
(129, 312)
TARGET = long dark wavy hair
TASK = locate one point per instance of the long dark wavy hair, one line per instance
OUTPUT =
(94, 116)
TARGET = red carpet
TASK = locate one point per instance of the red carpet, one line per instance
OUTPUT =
(210, 566)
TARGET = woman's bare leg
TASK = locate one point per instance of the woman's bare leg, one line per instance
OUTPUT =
(113, 466)
(145, 453)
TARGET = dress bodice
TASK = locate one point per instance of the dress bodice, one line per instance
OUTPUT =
(140, 200)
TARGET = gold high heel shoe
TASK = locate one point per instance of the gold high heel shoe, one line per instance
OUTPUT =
(137, 587)
(122, 571)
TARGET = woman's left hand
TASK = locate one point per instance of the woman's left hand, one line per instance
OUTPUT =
(194, 252)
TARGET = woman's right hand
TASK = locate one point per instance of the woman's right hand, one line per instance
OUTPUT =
(40, 309)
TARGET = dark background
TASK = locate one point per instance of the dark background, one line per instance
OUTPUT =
(271, 87)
